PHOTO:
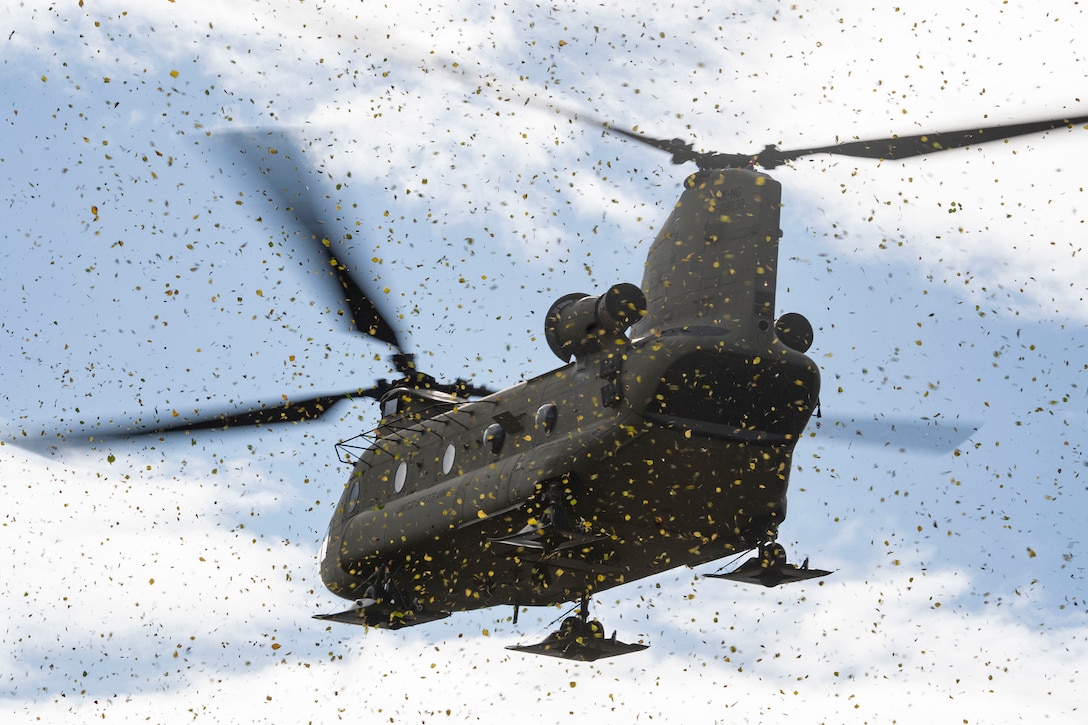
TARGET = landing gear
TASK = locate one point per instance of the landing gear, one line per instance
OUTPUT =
(581, 639)
(769, 568)
(384, 606)
(556, 529)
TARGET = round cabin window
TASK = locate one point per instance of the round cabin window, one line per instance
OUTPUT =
(448, 457)
(494, 437)
(402, 475)
(546, 417)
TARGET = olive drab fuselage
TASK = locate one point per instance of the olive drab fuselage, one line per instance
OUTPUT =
(669, 445)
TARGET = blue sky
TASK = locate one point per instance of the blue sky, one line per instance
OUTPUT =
(143, 272)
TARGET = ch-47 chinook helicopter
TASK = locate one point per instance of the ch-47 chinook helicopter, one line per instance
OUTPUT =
(664, 439)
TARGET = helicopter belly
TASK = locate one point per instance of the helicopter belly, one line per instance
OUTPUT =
(694, 499)
(665, 499)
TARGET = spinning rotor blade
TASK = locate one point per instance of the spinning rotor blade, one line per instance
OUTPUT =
(681, 150)
(288, 412)
(903, 147)
(935, 436)
(894, 147)
(282, 162)
(279, 160)
(309, 409)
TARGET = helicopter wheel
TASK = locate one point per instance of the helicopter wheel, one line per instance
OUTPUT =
(369, 598)
(772, 555)
(555, 513)
(577, 627)
(580, 638)
(540, 577)
(555, 528)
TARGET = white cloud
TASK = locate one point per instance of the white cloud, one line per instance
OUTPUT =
(141, 592)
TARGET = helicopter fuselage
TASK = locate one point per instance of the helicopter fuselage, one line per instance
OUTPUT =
(671, 446)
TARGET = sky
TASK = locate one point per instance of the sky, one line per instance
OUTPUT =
(458, 144)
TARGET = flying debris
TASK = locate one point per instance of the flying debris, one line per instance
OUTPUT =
(665, 437)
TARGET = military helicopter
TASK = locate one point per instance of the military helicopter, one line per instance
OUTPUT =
(664, 439)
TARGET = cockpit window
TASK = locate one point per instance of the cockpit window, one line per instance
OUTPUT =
(353, 499)
(389, 406)
(416, 403)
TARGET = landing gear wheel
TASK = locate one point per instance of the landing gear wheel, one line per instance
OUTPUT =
(384, 606)
(580, 638)
(555, 529)
(772, 555)
(770, 568)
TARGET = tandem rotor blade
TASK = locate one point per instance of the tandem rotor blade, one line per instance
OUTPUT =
(296, 411)
(892, 148)
(932, 436)
(904, 147)
(286, 412)
(280, 159)
(281, 163)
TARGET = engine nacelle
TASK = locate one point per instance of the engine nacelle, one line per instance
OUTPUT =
(578, 324)
(795, 331)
